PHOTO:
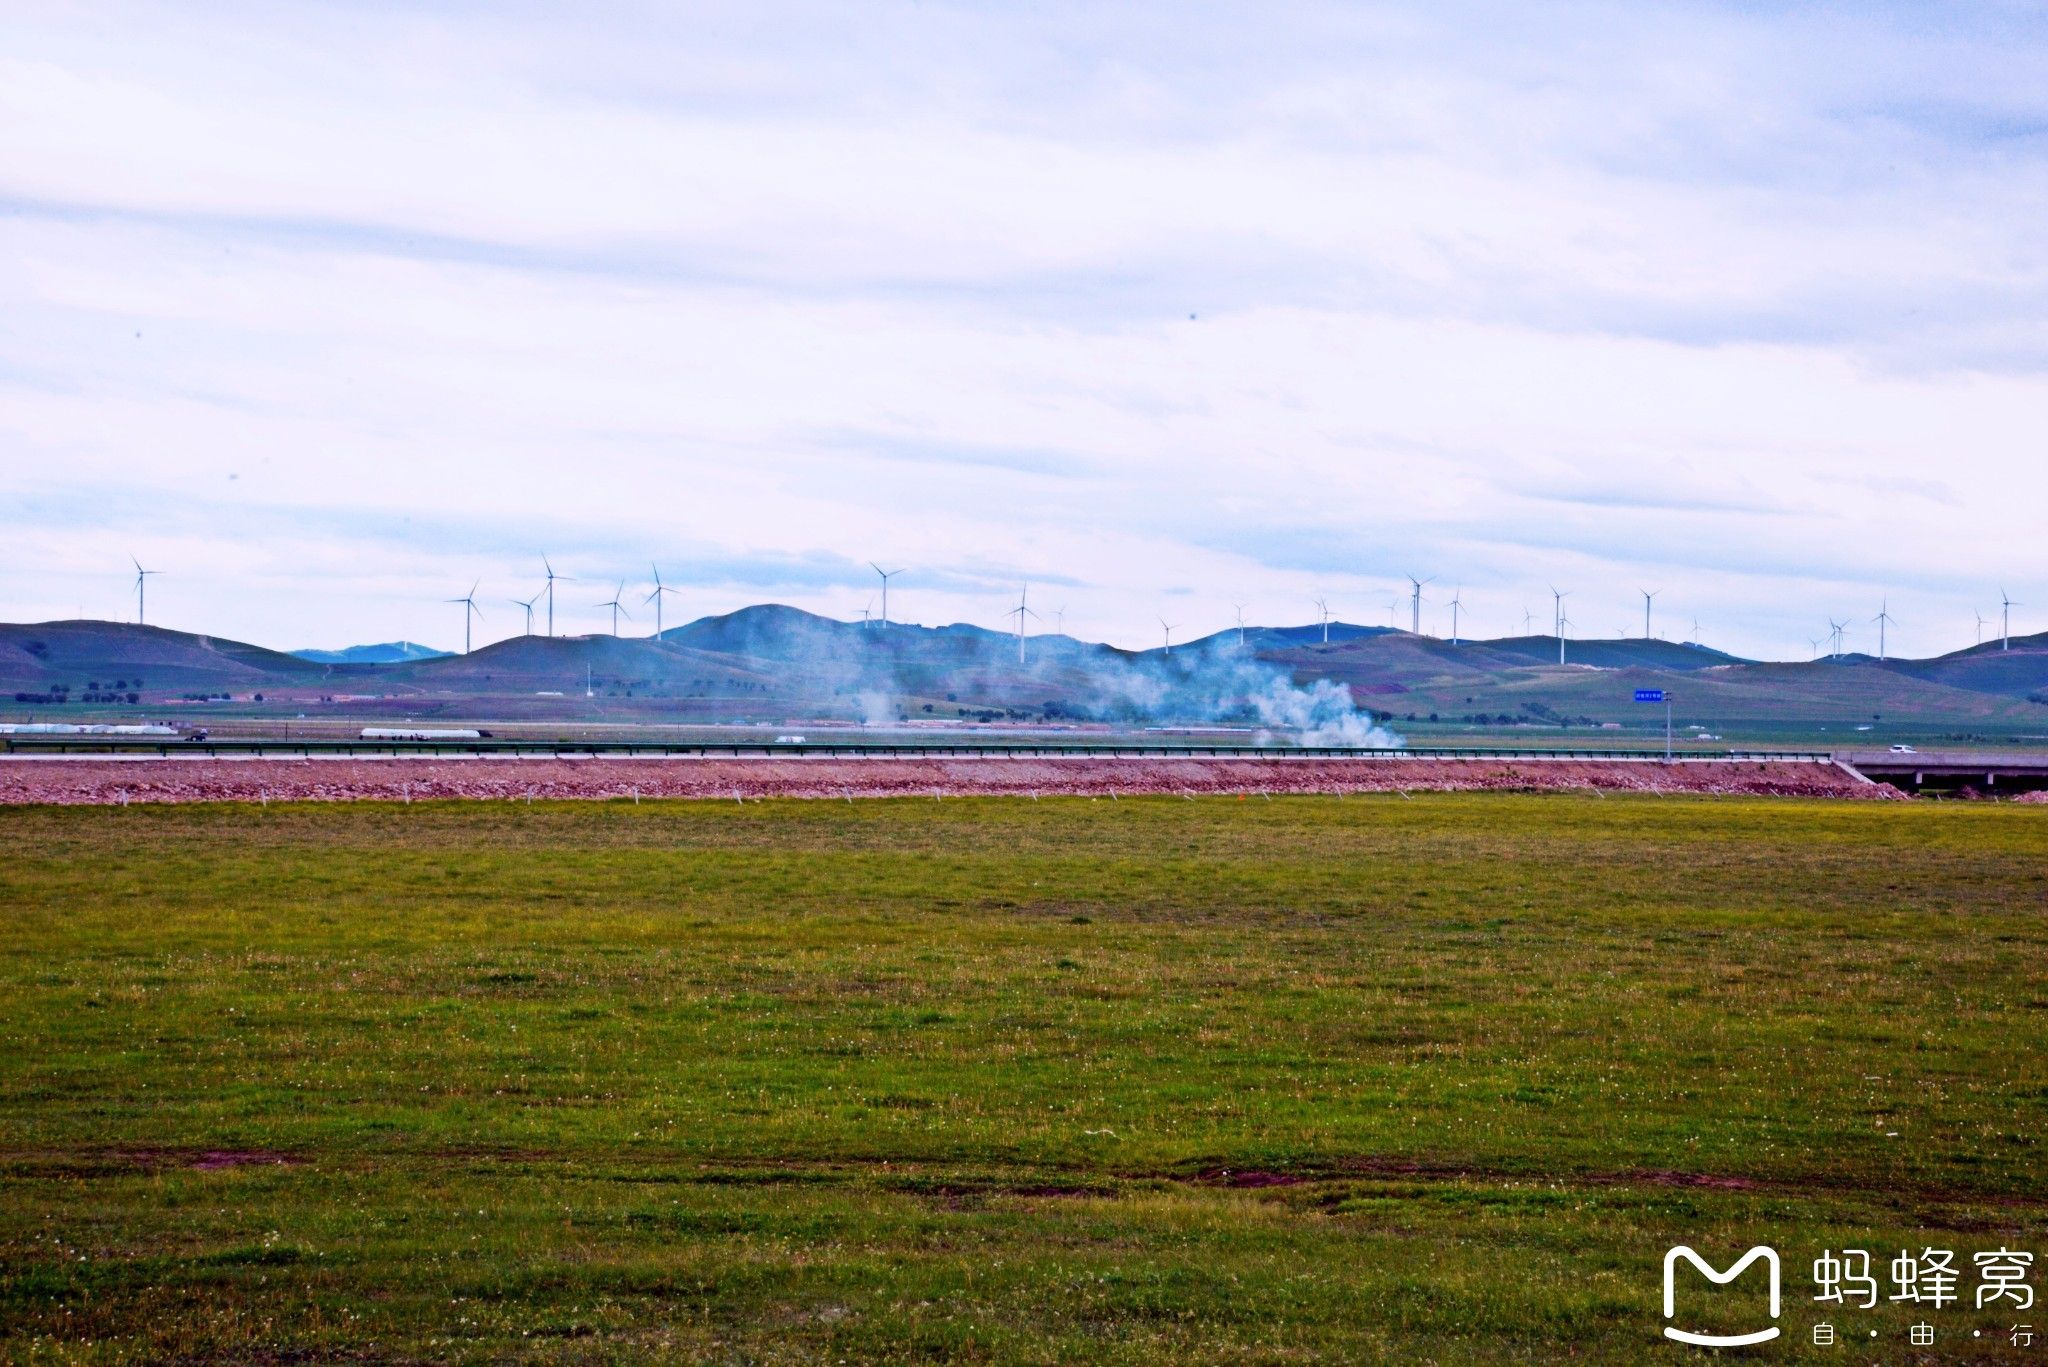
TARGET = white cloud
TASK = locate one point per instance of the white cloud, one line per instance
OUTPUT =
(1748, 306)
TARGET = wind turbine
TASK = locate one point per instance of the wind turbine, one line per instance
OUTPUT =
(1980, 626)
(552, 577)
(1020, 612)
(1323, 607)
(867, 613)
(1648, 594)
(1815, 641)
(2005, 625)
(1883, 619)
(1835, 650)
(616, 606)
(1557, 612)
(1169, 628)
(1457, 601)
(1415, 604)
(1528, 619)
(526, 603)
(1240, 624)
(468, 601)
(887, 575)
(141, 579)
(1393, 606)
(655, 598)
(1059, 620)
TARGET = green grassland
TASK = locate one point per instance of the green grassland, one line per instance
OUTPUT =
(1429, 1080)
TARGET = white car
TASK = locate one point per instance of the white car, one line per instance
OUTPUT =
(1904, 750)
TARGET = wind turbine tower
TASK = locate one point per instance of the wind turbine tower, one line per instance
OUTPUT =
(2005, 622)
(887, 575)
(1415, 604)
(1835, 629)
(1169, 628)
(1557, 617)
(616, 606)
(1648, 594)
(1323, 607)
(141, 580)
(552, 577)
(469, 608)
(1883, 619)
(655, 598)
(526, 603)
(1457, 601)
(1020, 612)
(1240, 624)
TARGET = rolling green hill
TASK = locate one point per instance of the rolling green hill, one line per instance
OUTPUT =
(773, 663)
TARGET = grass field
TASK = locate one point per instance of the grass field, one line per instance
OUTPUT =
(1147, 1081)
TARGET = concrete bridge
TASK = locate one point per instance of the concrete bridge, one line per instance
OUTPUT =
(1948, 770)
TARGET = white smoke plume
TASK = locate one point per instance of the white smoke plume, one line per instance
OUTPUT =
(879, 675)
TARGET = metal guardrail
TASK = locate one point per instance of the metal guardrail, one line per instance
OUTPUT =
(167, 747)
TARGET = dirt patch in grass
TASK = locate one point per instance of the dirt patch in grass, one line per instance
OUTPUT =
(213, 1160)
(1701, 1180)
(1251, 1178)
(119, 1162)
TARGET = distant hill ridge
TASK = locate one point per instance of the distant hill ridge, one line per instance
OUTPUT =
(390, 652)
(773, 659)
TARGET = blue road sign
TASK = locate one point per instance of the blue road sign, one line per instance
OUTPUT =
(1649, 695)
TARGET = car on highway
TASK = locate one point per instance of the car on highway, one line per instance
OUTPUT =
(1904, 750)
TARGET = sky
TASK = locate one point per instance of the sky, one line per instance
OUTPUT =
(328, 311)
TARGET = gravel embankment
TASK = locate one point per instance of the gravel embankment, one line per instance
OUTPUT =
(74, 781)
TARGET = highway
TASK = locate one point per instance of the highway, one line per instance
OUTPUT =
(242, 746)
